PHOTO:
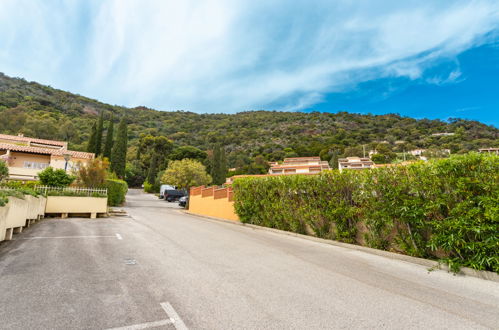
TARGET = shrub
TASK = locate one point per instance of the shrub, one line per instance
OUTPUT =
(116, 191)
(16, 184)
(55, 178)
(445, 209)
(148, 187)
(5, 194)
(4, 170)
(94, 174)
(74, 193)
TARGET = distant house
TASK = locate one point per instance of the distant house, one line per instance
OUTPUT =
(299, 165)
(417, 152)
(354, 163)
(489, 150)
(26, 157)
(443, 134)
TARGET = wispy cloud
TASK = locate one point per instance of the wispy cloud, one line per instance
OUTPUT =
(228, 55)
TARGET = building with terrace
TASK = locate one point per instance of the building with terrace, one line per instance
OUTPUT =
(300, 165)
(354, 163)
(489, 150)
(26, 156)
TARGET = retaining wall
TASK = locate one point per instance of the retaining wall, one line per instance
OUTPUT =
(19, 213)
(212, 202)
(66, 205)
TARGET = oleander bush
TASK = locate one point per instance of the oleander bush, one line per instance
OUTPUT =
(116, 191)
(446, 209)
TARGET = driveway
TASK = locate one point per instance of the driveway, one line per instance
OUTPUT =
(160, 268)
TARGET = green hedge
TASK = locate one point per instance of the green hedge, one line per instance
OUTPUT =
(446, 209)
(5, 194)
(116, 191)
(71, 193)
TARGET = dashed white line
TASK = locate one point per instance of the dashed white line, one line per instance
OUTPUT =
(54, 237)
(173, 318)
(144, 325)
(118, 236)
(177, 321)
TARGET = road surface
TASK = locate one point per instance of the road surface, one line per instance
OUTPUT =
(162, 269)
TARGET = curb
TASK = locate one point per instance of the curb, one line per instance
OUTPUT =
(431, 264)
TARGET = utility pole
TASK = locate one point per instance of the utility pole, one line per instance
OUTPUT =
(364, 150)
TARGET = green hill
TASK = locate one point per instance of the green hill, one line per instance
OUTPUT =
(45, 112)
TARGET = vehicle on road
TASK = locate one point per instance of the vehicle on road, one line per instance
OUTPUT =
(163, 188)
(173, 195)
(182, 201)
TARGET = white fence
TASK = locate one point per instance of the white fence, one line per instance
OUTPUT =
(72, 190)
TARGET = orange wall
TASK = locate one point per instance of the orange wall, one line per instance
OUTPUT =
(219, 207)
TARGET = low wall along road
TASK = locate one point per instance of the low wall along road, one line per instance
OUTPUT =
(212, 202)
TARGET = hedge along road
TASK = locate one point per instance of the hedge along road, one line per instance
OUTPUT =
(160, 268)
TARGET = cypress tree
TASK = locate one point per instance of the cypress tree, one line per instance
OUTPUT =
(98, 135)
(153, 169)
(91, 141)
(118, 155)
(108, 147)
(215, 163)
(222, 167)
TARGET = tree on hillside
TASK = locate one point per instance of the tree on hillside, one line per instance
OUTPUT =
(118, 155)
(188, 152)
(108, 147)
(92, 140)
(222, 167)
(186, 173)
(218, 165)
(153, 169)
(98, 135)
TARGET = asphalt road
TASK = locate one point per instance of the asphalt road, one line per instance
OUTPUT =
(163, 269)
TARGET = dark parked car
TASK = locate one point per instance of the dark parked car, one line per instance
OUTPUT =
(182, 201)
(173, 195)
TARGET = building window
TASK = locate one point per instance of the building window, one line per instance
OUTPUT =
(35, 165)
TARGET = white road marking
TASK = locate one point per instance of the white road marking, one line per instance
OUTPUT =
(177, 321)
(144, 325)
(118, 236)
(53, 237)
(173, 318)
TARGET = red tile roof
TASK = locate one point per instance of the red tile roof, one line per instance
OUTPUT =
(46, 151)
(28, 139)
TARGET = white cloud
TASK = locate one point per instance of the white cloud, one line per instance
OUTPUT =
(228, 55)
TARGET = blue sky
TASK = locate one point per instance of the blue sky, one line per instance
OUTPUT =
(435, 59)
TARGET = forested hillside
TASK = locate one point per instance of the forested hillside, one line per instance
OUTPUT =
(44, 112)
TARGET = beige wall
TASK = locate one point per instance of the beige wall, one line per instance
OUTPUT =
(18, 158)
(3, 221)
(218, 208)
(69, 204)
(59, 162)
(16, 215)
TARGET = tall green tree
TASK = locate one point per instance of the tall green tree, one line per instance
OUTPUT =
(222, 167)
(153, 169)
(92, 139)
(215, 161)
(108, 147)
(118, 155)
(98, 135)
(218, 165)
(185, 173)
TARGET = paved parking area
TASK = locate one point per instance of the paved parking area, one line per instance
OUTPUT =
(162, 269)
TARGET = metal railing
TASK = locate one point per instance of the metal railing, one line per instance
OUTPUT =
(72, 190)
